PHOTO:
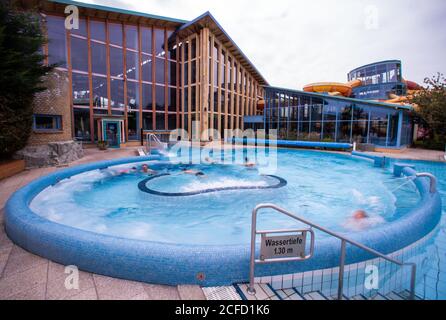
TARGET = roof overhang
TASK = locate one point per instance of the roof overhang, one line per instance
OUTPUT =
(105, 12)
(206, 20)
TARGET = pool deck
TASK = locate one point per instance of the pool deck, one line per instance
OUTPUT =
(25, 276)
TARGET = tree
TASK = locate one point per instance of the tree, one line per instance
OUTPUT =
(21, 69)
(430, 108)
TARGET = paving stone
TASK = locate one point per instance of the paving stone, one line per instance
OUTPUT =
(117, 289)
(159, 292)
(36, 293)
(56, 289)
(21, 260)
(21, 282)
(89, 294)
(188, 292)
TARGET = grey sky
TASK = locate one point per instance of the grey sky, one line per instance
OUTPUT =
(294, 42)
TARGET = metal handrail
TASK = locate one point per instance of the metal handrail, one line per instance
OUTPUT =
(433, 180)
(149, 138)
(344, 242)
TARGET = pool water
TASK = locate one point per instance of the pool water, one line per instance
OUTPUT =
(325, 188)
(432, 274)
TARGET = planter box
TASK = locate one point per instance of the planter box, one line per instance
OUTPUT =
(10, 168)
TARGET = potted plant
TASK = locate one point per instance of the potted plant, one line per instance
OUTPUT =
(102, 145)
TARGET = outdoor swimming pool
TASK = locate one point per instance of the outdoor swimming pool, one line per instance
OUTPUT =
(177, 227)
(326, 190)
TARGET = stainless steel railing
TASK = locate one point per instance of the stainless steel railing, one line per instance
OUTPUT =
(152, 137)
(344, 242)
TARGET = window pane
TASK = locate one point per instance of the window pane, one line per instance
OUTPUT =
(133, 125)
(47, 122)
(81, 90)
(79, 54)
(146, 40)
(147, 120)
(344, 129)
(172, 122)
(360, 131)
(132, 65)
(329, 132)
(160, 118)
(131, 37)
(147, 96)
(172, 103)
(116, 62)
(160, 63)
(133, 95)
(146, 68)
(172, 73)
(160, 99)
(117, 94)
(100, 99)
(115, 33)
(82, 31)
(378, 132)
(172, 53)
(57, 51)
(82, 124)
(97, 30)
(98, 58)
(159, 43)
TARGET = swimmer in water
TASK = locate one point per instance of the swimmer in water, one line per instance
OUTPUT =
(361, 220)
(145, 169)
(193, 172)
(249, 164)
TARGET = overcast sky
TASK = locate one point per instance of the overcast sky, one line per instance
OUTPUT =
(295, 42)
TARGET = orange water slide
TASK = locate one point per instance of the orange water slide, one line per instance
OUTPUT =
(333, 88)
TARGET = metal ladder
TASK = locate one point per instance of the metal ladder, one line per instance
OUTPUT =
(153, 137)
(344, 241)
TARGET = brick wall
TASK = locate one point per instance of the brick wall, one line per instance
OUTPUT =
(53, 101)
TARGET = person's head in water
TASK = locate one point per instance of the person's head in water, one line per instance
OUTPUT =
(360, 215)
(145, 168)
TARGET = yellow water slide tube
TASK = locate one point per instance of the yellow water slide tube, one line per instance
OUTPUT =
(333, 88)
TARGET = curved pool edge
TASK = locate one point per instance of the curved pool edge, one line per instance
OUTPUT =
(173, 264)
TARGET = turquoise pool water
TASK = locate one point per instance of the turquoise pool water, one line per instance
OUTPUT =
(432, 285)
(325, 188)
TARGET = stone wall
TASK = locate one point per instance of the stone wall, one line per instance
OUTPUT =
(53, 101)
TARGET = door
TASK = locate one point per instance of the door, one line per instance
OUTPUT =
(112, 133)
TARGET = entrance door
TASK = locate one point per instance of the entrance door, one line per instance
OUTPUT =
(112, 133)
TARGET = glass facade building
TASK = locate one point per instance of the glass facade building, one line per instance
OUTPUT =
(378, 80)
(147, 72)
(302, 116)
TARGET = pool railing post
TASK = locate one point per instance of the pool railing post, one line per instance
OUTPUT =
(251, 290)
(341, 271)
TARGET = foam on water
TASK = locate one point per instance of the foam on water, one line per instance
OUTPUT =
(324, 188)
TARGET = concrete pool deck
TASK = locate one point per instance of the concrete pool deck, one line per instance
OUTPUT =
(26, 276)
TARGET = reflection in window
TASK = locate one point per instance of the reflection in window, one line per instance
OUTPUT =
(360, 131)
(344, 131)
(115, 33)
(100, 99)
(146, 40)
(79, 54)
(98, 58)
(117, 93)
(131, 37)
(47, 122)
(116, 62)
(147, 102)
(132, 68)
(97, 30)
(160, 72)
(159, 43)
(133, 95)
(82, 31)
(81, 89)
(81, 124)
(133, 125)
(160, 98)
(57, 50)
(378, 132)
(146, 68)
(172, 103)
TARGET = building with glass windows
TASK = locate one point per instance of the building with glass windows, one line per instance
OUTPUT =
(132, 72)
(378, 80)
